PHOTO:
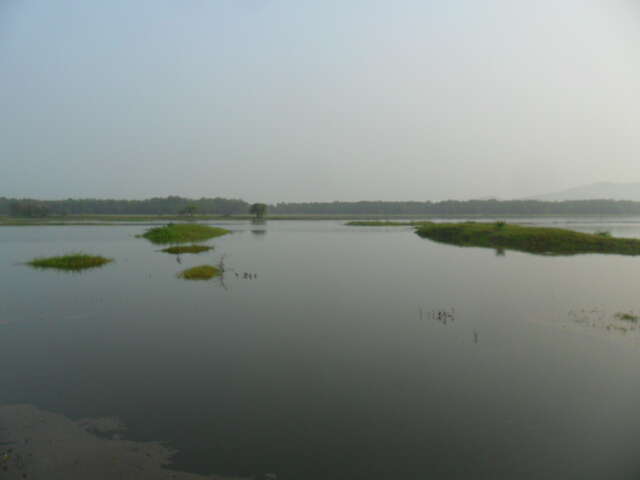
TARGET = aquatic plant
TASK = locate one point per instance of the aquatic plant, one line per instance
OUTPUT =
(201, 272)
(627, 316)
(540, 240)
(183, 233)
(179, 249)
(620, 322)
(70, 262)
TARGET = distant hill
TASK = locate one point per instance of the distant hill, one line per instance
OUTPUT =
(602, 190)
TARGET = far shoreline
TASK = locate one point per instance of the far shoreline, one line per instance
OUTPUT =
(109, 220)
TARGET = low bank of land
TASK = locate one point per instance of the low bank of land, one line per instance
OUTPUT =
(380, 223)
(361, 219)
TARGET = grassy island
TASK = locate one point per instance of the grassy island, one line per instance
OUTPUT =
(201, 272)
(183, 233)
(177, 250)
(540, 240)
(71, 262)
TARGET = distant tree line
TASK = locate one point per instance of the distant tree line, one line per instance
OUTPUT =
(461, 207)
(28, 208)
(174, 205)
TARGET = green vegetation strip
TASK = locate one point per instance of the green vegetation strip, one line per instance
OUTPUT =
(378, 223)
(183, 233)
(187, 249)
(201, 272)
(71, 262)
(540, 240)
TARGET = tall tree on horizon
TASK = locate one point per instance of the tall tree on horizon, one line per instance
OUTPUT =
(189, 210)
(258, 210)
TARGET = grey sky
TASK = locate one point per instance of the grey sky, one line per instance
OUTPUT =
(280, 100)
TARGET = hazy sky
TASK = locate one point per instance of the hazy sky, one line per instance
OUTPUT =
(283, 100)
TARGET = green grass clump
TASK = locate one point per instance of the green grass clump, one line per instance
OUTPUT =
(540, 240)
(627, 316)
(201, 272)
(177, 250)
(71, 262)
(183, 233)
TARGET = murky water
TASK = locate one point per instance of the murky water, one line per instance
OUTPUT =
(353, 353)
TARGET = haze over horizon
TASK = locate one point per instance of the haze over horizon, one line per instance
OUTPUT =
(274, 100)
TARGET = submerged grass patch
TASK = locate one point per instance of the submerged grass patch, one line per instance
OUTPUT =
(540, 240)
(183, 233)
(177, 250)
(70, 262)
(201, 272)
(627, 316)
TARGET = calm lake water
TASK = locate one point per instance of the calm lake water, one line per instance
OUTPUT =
(356, 353)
